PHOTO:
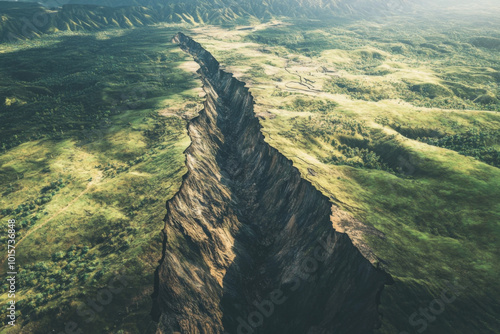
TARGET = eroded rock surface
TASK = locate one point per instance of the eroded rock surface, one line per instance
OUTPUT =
(249, 245)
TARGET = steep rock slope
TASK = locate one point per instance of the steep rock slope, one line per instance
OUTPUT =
(249, 246)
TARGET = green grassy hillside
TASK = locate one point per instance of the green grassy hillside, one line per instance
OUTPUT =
(92, 136)
(388, 120)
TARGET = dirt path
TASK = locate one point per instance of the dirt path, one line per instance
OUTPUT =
(94, 181)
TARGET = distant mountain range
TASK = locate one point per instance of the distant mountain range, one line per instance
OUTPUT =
(21, 20)
(25, 19)
(283, 6)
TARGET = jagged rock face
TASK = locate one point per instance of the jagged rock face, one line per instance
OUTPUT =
(249, 245)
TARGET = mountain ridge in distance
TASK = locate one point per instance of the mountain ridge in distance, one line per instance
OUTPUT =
(23, 20)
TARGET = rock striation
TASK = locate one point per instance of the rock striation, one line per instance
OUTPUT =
(249, 246)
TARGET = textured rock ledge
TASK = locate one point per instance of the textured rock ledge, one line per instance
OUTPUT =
(249, 246)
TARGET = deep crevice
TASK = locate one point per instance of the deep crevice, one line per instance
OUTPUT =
(249, 246)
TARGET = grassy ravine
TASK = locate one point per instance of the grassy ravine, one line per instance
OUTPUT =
(376, 95)
(92, 147)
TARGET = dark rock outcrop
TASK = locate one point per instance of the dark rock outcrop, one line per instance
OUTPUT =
(249, 246)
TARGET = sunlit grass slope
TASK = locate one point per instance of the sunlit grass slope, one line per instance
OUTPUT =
(388, 119)
(93, 133)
